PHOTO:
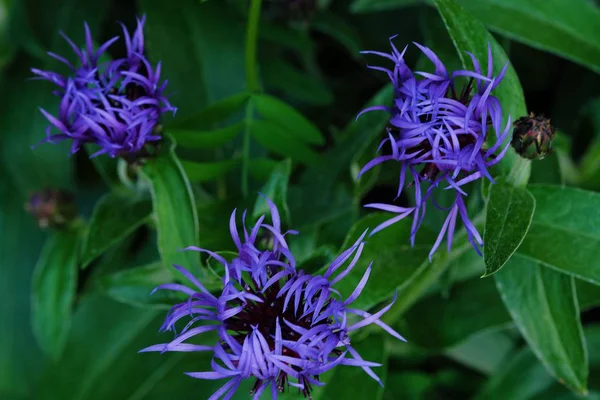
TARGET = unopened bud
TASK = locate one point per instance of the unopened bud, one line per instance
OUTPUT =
(532, 136)
(52, 208)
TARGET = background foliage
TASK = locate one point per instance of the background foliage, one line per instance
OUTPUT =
(271, 107)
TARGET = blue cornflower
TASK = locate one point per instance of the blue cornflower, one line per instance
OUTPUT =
(438, 135)
(114, 104)
(276, 324)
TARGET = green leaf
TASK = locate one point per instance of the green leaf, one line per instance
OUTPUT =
(565, 232)
(214, 114)
(174, 211)
(206, 139)
(352, 382)
(276, 111)
(521, 378)
(279, 140)
(116, 216)
(395, 261)
(207, 171)
(567, 29)
(485, 352)
(261, 168)
(53, 290)
(364, 6)
(133, 286)
(21, 360)
(509, 214)
(543, 304)
(184, 37)
(276, 190)
(469, 35)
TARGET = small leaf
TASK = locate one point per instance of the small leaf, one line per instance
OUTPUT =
(207, 171)
(470, 35)
(53, 290)
(565, 232)
(509, 214)
(206, 139)
(174, 210)
(276, 190)
(277, 139)
(115, 217)
(544, 306)
(341, 30)
(277, 112)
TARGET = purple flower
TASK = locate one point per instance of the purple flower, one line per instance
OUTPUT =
(114, 104)
(276, 324)
(440, 135)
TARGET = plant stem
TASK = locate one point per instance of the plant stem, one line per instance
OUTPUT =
(251, 44)
(252, 83)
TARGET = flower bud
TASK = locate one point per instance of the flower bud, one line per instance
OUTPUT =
(532, 137)
(52, 208)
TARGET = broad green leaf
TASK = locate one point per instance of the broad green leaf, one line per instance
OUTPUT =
(509, 213)
(206, 139)
(470, 35)
(277, 112)
(207, 171)
(279, 140)
(280, 76)
(184, 37)
(276, 190)
(566, 28)
(565, 232)
(21, 360)
(174, 210)
(350, 382)
(53, 290)
(544, 306)
(214, 114)
(443, 320)
(521, 378)
(116, 216)
(364, 6)
(394, 260)
(134, 285)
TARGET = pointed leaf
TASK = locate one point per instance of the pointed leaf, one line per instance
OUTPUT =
(207, 171)
(53, 290)
(195, 139)
(174, 210)
(544, 306)
(277, 112)
(509, 214)
(279, 140)
(565, 232)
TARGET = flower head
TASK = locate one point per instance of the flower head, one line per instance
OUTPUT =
(277, 325)
(115, 104)
(532, 136)
(439, 134)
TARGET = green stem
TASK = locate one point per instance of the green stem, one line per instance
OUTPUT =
(246, 146)
(251, 44)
